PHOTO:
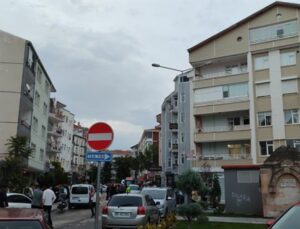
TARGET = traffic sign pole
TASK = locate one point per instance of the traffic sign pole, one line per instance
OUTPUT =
(100, 137)
(98, 205)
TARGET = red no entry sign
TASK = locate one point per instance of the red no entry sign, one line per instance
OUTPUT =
(100, 136)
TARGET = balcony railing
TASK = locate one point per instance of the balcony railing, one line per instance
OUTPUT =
(56, 132)
(241, 156)
(224, 73)
(222, 128)
(173, 126)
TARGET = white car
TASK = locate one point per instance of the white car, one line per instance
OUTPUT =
(18, 200)
(80, 195)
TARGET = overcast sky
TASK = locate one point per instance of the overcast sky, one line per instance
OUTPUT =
(98, 53)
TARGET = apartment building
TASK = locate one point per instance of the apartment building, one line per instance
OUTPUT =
(54, 145)
(24, 97)
(246, 89)
(65, 157)
(175, 134)
(78, 164)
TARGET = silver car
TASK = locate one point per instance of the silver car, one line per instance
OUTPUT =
(129, 211)
(163, 197)
(18, 200)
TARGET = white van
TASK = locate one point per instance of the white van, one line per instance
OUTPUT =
(80, 195)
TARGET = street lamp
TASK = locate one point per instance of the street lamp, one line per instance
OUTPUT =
(174, 69)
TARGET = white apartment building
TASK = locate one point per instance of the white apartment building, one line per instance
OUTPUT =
(79, 149)
(65, 156)
(175, 134)
(24, 97)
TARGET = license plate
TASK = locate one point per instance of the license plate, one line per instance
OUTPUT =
(123, 214)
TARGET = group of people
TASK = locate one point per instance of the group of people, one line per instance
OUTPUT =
(42, 198)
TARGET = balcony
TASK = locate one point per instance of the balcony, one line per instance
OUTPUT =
(56, 117)
(226, 157)
(173, 126)
(229, 72)
(56, 132)
(52, 148)
(24, 128)
(223, 133)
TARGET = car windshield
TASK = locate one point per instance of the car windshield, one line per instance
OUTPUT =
(79, 190)
(125, 201)
(22, 224)
(289, 220)
(155, 193)
(134, 187)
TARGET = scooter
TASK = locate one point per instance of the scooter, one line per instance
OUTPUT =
(62, 203)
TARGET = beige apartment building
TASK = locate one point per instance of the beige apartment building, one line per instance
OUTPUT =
(24, 98)
(246, 89)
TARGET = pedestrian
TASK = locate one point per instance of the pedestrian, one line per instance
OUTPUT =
(3, 196)
(92, 201)
(48, 200)
(37, 197)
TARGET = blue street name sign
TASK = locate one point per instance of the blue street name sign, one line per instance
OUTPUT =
(102, 156)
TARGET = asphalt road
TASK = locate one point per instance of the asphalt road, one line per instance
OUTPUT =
(75, 218)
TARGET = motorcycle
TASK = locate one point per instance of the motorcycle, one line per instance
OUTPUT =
(62, 203)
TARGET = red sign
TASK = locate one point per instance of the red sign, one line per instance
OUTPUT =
(100, 136)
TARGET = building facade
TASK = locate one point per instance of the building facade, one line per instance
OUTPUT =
(24, 96)
(175, 130)
(78, 164)
(246, 89)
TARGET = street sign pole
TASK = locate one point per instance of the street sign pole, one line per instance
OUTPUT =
(98, 212)
(99, 137)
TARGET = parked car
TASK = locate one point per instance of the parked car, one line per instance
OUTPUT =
(18, 200)
(289, 219)
(163, 197)
(129, 211)
(134, 188)
(79, 195)
(22, 218)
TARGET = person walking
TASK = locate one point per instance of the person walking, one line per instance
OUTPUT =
(3, 197)
(93, 197)
(48, 200)
(37, 198)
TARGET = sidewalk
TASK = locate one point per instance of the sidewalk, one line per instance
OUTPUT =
(226, 219)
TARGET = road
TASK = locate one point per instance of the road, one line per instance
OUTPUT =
(75, 219)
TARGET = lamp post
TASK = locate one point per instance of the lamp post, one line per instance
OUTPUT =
(174, 69)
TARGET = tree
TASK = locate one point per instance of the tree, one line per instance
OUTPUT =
(13, 167)
(106, 173)
(122, 166)
(190, 181)
(92, 173)
(215, 191)
(189, 212)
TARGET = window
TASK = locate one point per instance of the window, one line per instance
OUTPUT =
(182, 96)
(291, 116)
(182, 137)
(35, 124)
(33, 148)
(264, 119)
(43, 131)
(261, 62)
(288, 58)
(37, 98)
(182, 117)
(262, 89)
(225, 91)
(41, 154)
(182, 158)
(266, 148)
(39, 75)
(274, 32)
(47, 86)
(289, 86)
(243, 67)
(294, 143)
(246, 120)
(235, 90)
(169, 162)
(45, 109)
